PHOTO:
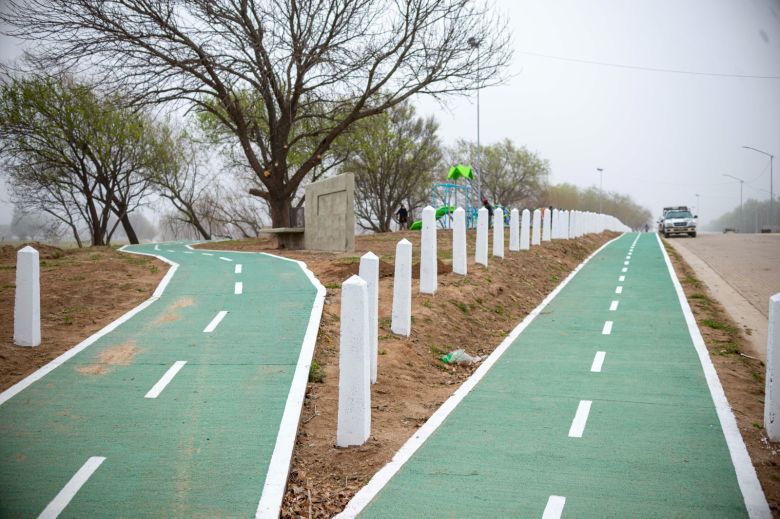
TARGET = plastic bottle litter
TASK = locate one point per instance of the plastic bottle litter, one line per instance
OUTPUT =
(460, 357)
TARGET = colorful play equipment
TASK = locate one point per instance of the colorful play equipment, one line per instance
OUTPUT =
(447, 196)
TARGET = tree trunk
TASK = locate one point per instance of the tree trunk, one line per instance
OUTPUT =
(280, 212)
(203, 232)
(129, 231)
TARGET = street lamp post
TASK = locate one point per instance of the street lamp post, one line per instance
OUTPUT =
(741, 220)
(474, 44)
(698, 207)
(601, 189)
(771, 187)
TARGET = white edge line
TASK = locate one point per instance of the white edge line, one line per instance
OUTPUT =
(68, 492)
(598, 362)
(223, 258)
(279, 466)
(755, 500)
(165, 380)
(48, 368)
(554, 508)
(366, 494)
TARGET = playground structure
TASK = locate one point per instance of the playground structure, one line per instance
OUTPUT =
(446, 196)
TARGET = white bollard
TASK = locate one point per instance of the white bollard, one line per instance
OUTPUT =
(546, 224)
(369, 272)
(772, 398)
(555, 234)
(402, 289)
(567, 225)
(536, 230)
(428, 271)
(354, 415)
(498, 233)
(525, 230)
(514, 230)
(459, 255)
(27, 306)
(481, 255)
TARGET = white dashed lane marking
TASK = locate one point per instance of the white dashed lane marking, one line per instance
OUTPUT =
(580, 419)
(554, 507)
(65, 495)
(215, 322)
(607, 330)
(619, 290)
(166, 379)
(239, 288)
(238, 268)
(613, 306)
(598, 361)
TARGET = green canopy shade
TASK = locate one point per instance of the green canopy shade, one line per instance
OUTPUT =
(459, 171)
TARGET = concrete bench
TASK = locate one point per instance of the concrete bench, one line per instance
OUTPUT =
(287, 237)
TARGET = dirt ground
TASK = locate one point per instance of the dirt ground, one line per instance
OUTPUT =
(474, 313)
(742, 376)
(82, 290)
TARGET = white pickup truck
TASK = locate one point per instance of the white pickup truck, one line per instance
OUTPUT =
(677, 220)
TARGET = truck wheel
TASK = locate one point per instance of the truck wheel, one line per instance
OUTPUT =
(692, 234)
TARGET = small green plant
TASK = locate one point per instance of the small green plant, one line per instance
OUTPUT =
(717, 325)
(94, 257)
(427, 303)
(729, 348)
(461, 306)
(333, 285)
(499, 309)
(382, 352)
(316, 373)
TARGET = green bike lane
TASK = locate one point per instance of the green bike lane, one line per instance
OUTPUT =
(651, 444)
(202, 447)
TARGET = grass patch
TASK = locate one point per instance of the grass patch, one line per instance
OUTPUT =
(349, 260)
(436, 351)
(500, 310)
(729, 348)
(316, 373)
(461, 306)
(717, 325)
(427, 303)
(333, 285)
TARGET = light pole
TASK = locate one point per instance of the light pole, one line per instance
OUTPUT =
(601, 189)
(698, 208)
(474, 44)
(771, 187)
(741, 221)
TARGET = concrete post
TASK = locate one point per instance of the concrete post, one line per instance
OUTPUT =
(772, 398)
(481, 255)
(498, 232)
(567, 224)
(27, 306)
(459, 255)
(402, 289)
(555, 234)
(428, 271)
(525, 230)
(514, 230)
(354, 415)
(536, 229)
(546, 224)
(369, 272)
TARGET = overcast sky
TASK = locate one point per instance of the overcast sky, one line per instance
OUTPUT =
(660, 136)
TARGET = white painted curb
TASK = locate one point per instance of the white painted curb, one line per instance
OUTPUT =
(755, 501)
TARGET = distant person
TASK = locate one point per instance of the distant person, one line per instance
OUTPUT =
(403, 217)
(489, 207)
(647, 228)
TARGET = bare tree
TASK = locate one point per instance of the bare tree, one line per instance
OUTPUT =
(393, 156)
(282, 77)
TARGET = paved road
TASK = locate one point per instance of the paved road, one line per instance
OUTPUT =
(750, 263)
(600, 408)
(173, 414)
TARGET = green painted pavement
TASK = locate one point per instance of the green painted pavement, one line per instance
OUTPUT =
(652, 446)
(200, 449)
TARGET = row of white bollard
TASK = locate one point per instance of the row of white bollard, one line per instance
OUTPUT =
(359, 294)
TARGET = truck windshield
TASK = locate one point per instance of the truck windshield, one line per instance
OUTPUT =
(679, 214)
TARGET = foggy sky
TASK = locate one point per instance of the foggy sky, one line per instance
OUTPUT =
(660, 137)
